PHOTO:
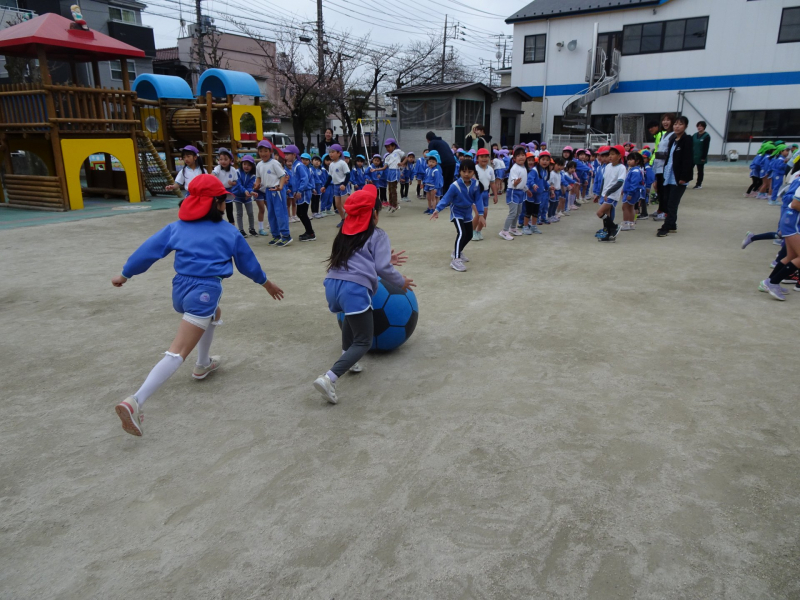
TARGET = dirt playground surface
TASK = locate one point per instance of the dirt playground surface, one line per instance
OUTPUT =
(570, 420)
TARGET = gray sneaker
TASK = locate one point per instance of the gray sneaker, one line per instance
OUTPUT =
(748, 239)
(457, 265)
(463, 258)
(325, 386)
(772, 290)
(527, 230)
(201, 372)
(535, 229)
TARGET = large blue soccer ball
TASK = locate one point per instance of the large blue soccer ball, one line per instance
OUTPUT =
(395, 313)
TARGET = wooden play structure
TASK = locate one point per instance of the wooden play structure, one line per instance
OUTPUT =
(66, 125)
(172, 117)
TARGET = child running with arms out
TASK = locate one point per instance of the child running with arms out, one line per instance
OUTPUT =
(464, 197)
(204, 247)
(361, 253)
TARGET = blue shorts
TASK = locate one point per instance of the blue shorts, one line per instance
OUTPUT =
(608, 201)
(790, 223)
(305, 197)
(392, 175)
(347, 296)
(196, 296)
(516, 196)
(485, 197)
(634, 198)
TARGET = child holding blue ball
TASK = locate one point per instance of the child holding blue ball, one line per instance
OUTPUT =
(361, 253)
(204, 247)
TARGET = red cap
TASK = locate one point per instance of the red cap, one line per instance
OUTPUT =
(359, 206)
(483, 152)
(202, 190)
(543, 153)
(603, 149)
(619, 149)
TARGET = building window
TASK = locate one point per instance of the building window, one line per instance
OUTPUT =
(790, 26)
(121, 14)
(535, 46)
(469, 112)
(116, 70)
(773, 124)
(431, 113)
(665, 36)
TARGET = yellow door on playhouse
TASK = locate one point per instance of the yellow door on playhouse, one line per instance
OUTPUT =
(76, 151)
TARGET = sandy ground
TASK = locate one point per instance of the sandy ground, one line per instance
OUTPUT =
(569, 420)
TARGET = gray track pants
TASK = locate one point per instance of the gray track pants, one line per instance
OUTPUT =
(356, 340)
(513, 215)
(249, 207)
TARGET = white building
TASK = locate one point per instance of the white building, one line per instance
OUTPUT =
(732, 63)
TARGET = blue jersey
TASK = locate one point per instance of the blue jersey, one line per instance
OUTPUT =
(358, 177)
(649, 177)
(299, 179)
(433, 179)
(461, 199)
(244, 185)
(789, 194)
(202, 249)
(420, 167)
(634, 183)
(377, 177)
(318, 177)
(407, 172)
(597, 187)
(538, 176)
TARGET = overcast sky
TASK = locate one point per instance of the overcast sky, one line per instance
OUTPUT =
(386, 22)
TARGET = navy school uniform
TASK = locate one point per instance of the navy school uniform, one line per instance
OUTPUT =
(433, 180)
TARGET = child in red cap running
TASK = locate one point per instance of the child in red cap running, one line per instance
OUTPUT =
(361, 253)
(204, 247)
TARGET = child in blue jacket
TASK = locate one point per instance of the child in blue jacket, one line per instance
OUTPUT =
(649, 180)
(317, 180)
(433, 181)
(407, 175)
(204, 247)
(632, 190)
(465, 199)
(243, 193)
(326, 189)
(358, 175)
(377, 175)
(419, 172)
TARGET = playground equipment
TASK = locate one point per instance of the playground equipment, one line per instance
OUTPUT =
(67, 125)
(172, 118)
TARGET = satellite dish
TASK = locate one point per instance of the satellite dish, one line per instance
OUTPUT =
(572, 45)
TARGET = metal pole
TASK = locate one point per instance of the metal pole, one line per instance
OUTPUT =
(591, 81)
(320, 42)
(749, 141)
(444, 51)
(727, 122)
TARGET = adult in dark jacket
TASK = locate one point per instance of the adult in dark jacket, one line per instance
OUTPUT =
(448, 160)
(678, 172)
(702, 142)
(476, 138)
(329, 141)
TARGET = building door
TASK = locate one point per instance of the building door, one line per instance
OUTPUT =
(608, 42)
(507, 128)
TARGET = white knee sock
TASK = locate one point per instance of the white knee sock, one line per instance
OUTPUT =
(204, 345)
(160, 373)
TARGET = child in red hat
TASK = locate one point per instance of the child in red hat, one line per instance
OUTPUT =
(361, 253)
(204, 246)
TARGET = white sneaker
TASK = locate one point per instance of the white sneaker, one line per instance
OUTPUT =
(200, 372)
(506, 236)
(626, 226)
(463, 258)
(515, 231)
(325, 386)
(131, 416)
(356, 368)
(457, 265)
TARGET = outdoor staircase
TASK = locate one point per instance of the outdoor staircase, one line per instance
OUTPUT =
(574, 109)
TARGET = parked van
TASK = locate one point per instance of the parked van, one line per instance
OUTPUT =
(278, 139)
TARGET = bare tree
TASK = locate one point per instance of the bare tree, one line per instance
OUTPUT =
(420, 63)
(21, 69)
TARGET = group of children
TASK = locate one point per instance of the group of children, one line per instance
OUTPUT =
(768, 172)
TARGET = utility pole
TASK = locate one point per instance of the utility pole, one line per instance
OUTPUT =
(444, 48)
(505, 45)
(320, 42)
(201, 51)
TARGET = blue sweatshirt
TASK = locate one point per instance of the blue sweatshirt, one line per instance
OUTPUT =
(649, 177)
(366, 264)
(244, 185)
(358, 177)
(407, 173)
(377, 176)
(299, 178)
(461, 198)
(202, 249)
(634, 182)
(597, 186)
(419, 169)
(539, 176)
(582, 170)
(433, 178)
(318, 177)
